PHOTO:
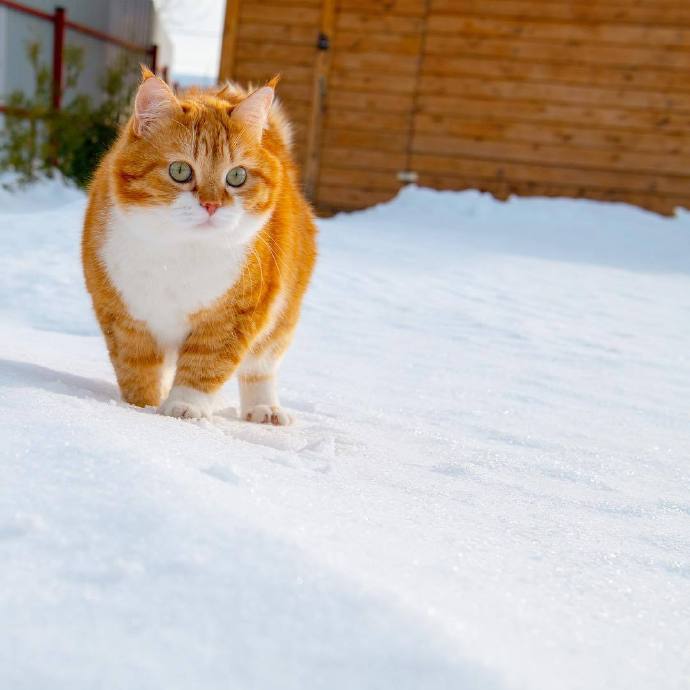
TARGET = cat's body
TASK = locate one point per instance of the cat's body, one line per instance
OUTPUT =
(195, 279)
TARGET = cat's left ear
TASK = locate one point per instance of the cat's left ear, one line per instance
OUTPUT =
(153, 101)
(252, 112)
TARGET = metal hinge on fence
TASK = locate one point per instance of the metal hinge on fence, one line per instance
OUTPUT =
(323, 42)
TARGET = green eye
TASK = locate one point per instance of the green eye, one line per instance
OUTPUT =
(236, 177)
(180, 171)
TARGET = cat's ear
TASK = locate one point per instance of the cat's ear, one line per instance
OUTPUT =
(154, 100)
(252, 112)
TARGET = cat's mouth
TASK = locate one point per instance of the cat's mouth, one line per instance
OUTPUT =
(217, 222)
(207, 223)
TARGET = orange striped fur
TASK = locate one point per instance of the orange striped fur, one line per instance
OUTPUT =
(199, 279)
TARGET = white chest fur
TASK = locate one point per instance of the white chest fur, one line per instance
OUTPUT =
(163, 275)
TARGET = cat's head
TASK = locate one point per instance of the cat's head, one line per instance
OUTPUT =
(198, 165)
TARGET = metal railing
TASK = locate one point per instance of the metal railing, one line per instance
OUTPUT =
(61, 23)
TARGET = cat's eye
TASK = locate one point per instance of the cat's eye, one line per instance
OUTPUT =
(180, 171)
(237, 176)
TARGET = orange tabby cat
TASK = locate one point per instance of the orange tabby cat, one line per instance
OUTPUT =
(197, 249)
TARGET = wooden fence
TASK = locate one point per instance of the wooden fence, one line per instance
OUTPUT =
(580, 98)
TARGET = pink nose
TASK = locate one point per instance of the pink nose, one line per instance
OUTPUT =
(210, 206)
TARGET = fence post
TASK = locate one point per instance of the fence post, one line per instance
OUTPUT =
(58, 46)
(226, 70)
(318, 99)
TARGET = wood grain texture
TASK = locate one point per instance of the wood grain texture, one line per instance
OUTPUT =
(555, 97)
(578, 11)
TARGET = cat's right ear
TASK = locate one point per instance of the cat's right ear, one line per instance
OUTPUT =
(154, 100)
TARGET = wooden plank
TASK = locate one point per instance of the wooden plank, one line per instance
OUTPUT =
(295, 95)
(412, 8)
(584, 135)
(357, 158)
(378, 23)
(334, 198)
(281, 54)
(292, 93)
(597, 159)
(555, 112)
(226, 71)
(372, 81)
(294, 108)
(616, 3)
(296, 111)
(664, 205)
(297, 3)
(366, 121)
(348, 197)
(358, 139)
(559, 32)
(282, 34)
(389, 156)
(358, 42)
(614, 76)
(563, 173)
(585, 12)
(359, 178)
(560, 53)
(294, 87)
(502, 189)
(500, 89)
(248, 69)
(382, 63)
(279, 14)
(370, 102)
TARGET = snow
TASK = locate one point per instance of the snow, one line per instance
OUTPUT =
(487, 486)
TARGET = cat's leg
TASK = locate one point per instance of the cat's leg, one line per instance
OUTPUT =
(168, 372)
(206, 360)
(258, 395)
(257, 377)
(137, 361)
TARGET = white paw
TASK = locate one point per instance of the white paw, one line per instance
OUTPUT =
(187, 403)
(267, 414)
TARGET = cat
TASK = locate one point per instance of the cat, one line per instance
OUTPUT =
(197, 249)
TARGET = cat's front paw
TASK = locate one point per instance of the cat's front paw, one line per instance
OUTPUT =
(268, 414)
(187, 403)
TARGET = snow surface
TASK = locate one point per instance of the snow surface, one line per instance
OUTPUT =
(488, 485)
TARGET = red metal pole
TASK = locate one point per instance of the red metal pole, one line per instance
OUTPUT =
(153, 52)
(102, 36)
(58, 46)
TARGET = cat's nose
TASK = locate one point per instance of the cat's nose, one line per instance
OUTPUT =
(210, 206)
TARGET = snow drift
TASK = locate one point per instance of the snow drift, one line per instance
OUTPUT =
(487, 486)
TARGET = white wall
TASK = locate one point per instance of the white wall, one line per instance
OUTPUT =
(3, 51)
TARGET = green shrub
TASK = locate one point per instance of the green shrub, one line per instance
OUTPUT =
(39, 140)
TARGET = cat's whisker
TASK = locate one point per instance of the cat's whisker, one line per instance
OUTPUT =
(261, 276)
(246, 272)
(273, 256)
